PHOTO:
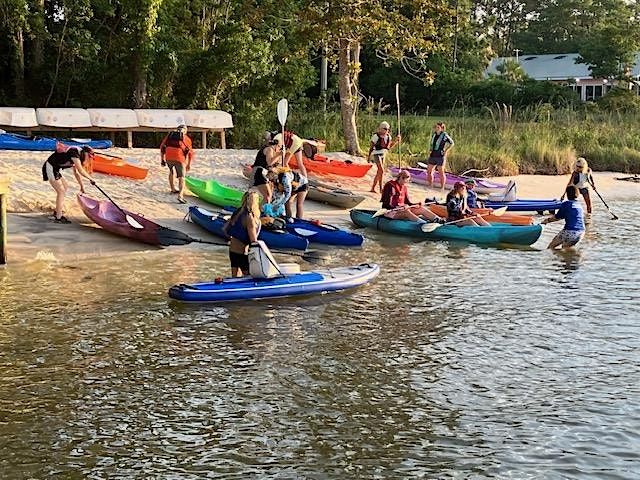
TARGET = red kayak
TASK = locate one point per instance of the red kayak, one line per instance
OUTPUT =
(325, 165)
(111, 219)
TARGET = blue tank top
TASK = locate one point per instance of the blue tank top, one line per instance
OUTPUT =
(238, 231)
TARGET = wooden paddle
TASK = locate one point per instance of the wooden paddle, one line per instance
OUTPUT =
(130, 220)
(283, 112)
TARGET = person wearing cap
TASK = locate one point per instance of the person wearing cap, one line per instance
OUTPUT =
(65, 157)
(573, 215)
(581, 178)
(381, 143)
(293, 145)
(176, 152)
(472, 196)
(267, 157)
(458, 210)
(440, 145)
(395, 198)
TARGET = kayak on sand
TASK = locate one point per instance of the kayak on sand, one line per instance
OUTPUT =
(214, 192)
(494, 234)
(328, 166)
(13, 141)
(419, 175)
(117, 166)
(303, 283)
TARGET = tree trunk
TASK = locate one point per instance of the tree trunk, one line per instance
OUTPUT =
(348, 69)
(38, 39)
(19, 63)
(139, 82)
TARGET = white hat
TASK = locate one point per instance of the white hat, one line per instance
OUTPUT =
(384, 125)
(581, 162)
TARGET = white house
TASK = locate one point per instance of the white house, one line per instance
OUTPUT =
(562, 68)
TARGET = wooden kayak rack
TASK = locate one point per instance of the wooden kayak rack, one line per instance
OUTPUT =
(4, 192)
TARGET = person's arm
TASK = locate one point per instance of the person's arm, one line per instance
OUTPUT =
(163, 148)
(299, 160)
(559, 215)
(79, 172)
(395, 141)
(385, 196)
(269, 154)
(252, 231)
(590, 177)
(448, 143)
(281, 200)
(189, 145)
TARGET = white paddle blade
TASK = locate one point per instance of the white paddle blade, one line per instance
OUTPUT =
(283, 111)
(303, 232)
(379, 213)
(133, 222)
(423, 165)
(499, 212)
(429, 227)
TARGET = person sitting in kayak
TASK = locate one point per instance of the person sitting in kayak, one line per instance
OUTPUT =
(288, 185)
(176, 152)
(457, 209)
(66, 157)
(293, 144)
(381, 143)
(395, 198)
(243, 229)
(573, 215)
(472, 196)
(581, 178)
(269, 155)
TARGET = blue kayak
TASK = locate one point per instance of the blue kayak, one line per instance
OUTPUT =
(524, 205)
(213, 223)
(494, 234)
(12, 141)
(303, 283)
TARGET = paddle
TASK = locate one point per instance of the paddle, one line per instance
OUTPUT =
(400, 141)
(613, 215)
(382, 211)
(466, 172)
(130, 220)
(283, 112)
(430, 227)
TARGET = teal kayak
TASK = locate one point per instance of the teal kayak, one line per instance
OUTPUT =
(496, 233)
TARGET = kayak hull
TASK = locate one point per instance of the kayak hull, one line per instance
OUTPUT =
(106, 215)
(304, 283)
(483, 186)
(511, 219)
(11, 141)
(524, 205)
(118, 167)
(326, 166)
(214, 192)
(495, 234)
(324, 233)
(274, 239)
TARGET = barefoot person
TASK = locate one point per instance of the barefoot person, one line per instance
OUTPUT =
(243, 229)
(440, 145)
(395, 198)
(59, 160)
(381, 143)
(176, 151)
(573, 215)
(582, 178)
(457, 209)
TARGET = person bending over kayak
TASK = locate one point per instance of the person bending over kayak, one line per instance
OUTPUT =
(243, 229)
(269, 155)
(63, 158)
(573, 215)
(581, 178)
(440, 145)
(293, 144)
(395, 198)
(288, 185)
(381, 143)
(176, 151)
(472, 196)
(458, 210)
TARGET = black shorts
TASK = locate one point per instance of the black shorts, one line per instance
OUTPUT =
(584, 191)
(301, 188)
(177, 166)
(258, 177)
(239, 260)
(49, 171)
(439, 161)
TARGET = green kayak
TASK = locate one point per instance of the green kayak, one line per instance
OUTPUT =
(213, 192)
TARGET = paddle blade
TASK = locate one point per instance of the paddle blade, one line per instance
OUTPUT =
(499, 211)
(303, 232)
(429, 227)
(283, 111)
(133, 222)
(169, 237)
(379, 213)
(423, 165)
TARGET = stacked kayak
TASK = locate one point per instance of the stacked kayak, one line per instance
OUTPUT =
(511, 219)
(494, 234)
(327, 166)
(214, 192)
(303, 283)
(419, 175)
(117, 166)
(523, 205)
(323, 192)
(12, 141)
(214, 223)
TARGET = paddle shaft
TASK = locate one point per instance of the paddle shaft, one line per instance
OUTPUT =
(111, 200)
(497, 213)
(399, 141)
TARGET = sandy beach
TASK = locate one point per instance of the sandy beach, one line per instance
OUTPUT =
(31, 201)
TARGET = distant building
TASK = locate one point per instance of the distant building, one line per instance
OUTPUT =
(562, 68)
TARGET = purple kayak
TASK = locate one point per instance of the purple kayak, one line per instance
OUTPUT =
(419, 175)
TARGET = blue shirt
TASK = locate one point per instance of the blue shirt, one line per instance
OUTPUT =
(573, 215)
(472, 199)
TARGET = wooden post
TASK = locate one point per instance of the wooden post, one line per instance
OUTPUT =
(129, 139)
(223, 141)
(204, 140)
(4, 192)
(113, 138)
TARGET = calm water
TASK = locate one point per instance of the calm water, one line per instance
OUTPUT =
(459, 361)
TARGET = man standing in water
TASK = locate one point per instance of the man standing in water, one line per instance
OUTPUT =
(573, 215)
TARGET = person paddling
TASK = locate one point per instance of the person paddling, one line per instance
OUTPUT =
(581, 178)
(395, 198)
(458, 210)
(573, 215)
(176, 152)
(440, 145)
(65, 157)
(267, 156)
(243, 229)
(381, 143)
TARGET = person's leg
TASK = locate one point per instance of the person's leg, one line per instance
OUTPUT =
(287, 207)
(587, 200)
(443, 175)
(557, 240)
(377, 179)
(424, 212)
(409, 215)
(300, 197)
(430, 174)
(265, 191)
(58, 186)
(571, 238)
(180, 175)
(481, 221)
(171, 179)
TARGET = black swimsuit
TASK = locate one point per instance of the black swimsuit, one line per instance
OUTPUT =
(59, 161)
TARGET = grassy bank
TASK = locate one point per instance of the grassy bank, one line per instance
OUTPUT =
(526, 142)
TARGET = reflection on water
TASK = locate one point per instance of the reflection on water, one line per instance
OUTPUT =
(459, 361)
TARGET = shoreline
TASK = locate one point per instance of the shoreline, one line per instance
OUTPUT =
(31, 236)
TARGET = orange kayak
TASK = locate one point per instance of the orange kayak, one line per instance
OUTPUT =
(510, 218)
(117, 166)
(324, 165)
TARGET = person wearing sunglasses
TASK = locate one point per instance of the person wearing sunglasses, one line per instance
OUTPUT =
(381, 143)
(395, 198)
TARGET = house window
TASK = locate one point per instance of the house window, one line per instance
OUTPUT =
(589, 93)
(597, 92)
(578, 89)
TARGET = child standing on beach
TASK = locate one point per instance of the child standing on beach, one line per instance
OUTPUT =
(381, 143)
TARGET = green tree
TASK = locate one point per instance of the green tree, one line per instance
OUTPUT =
(511, 71)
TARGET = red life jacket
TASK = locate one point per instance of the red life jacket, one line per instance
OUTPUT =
(383, 142)
(393, 194)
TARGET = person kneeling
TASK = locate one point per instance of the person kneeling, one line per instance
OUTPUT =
(573, 215)
(243, 229)
(457, 209)
(395, 198)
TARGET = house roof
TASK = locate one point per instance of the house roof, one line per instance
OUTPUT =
(555, 66)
